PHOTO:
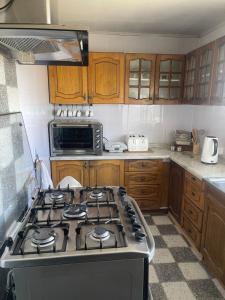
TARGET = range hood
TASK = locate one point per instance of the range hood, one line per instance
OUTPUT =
(27, 36)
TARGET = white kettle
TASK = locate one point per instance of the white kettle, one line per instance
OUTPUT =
(210, 150)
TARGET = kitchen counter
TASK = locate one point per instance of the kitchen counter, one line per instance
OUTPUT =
(185, 159)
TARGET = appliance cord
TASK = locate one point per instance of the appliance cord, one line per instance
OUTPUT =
(9, 3)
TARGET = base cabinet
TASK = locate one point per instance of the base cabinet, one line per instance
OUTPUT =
(176, 183)
(91, 173)
(213, 237)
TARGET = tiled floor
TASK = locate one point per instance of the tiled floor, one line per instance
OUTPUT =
(176, 272)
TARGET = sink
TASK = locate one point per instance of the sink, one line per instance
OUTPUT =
(218, 182)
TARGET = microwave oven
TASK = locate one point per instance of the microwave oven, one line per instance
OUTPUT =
(75, 137)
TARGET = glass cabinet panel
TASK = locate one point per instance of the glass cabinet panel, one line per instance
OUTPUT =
(140, 71)
(134, 65)
(170, 77)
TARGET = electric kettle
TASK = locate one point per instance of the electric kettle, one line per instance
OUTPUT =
(210, 150)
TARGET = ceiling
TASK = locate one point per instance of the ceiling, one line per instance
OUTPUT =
(185, 17)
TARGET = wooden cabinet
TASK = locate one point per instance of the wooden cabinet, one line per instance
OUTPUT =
(106, 78)
(77, 169)
(147, 182)
(101, 172)
(213, 237)
(204, 73)
(140, 76)
(106, 172)
(190, 78)
(169, 79)
(176, 183)
(193, 208)
(218, 78)
(68, 84)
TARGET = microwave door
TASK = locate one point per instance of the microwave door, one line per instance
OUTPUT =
(73, 140)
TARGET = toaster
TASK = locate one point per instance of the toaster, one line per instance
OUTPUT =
(137, 142)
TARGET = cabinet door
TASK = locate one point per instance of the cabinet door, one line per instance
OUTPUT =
(140, 75)
(169, 79)
(106, 172)
(76, 169)
(190, 78)
(106, 77)
(218, 81)
(213, 239)
(204, 73)
(68, 84)
(176, 190)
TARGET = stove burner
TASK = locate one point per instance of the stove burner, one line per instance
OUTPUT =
(74, 211)
(99, 233)
(57, 196)
(43, 237)
(96, 194)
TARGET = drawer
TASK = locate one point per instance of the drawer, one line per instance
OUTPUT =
(143, 165)
(142, 178)
(193, 213)
(148, 204)
(193, 179)
(194, 193)
(192, 232)
(144, 191)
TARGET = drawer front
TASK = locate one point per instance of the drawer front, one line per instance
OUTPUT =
(192, 232)
(143, 165)
(148, 204)
(144, 191)
(193, 213)
(193, 192)
(141, 178)
(193, 179)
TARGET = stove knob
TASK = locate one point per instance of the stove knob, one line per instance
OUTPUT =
(133, 219)
(139, 235)
(131, 213)
(136, 226)
(128, 207)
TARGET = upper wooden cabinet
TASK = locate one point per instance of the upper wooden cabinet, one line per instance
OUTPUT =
(169, 79)
(106, 78)
(190, 78)
(68, 84)
(204, 73)
(218, 78)
(140, 76)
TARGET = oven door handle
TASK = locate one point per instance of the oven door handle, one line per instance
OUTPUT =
(71, 125)
(149, 237)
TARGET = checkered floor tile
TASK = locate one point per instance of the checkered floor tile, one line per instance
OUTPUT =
(176, 272)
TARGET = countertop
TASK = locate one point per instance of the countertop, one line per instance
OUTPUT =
(186, 160)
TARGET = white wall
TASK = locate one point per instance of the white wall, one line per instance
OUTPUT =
(145, 43)
(35, 107)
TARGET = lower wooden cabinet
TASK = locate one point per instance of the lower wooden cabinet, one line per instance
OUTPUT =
(176, 184)
(213, 237)
(147, 182)
(106, 172)
(101, 172)
(75, 168)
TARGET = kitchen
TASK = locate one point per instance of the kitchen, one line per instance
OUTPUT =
(138, 134)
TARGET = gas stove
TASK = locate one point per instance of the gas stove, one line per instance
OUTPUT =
(82, 225)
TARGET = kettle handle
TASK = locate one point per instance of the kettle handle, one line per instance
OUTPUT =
(215, 147)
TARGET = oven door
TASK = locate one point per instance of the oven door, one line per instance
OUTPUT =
(69, 139)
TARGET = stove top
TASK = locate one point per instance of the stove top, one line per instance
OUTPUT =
(72, 223)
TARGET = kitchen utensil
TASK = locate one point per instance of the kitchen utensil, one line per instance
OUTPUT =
(210, 150)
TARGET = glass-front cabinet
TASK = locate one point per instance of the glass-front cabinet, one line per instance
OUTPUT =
(218, 86)
(204, 77)
(140, 74)
(169, 79)
(190, 78)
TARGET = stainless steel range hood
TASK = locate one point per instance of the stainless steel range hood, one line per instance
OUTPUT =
(29, 38)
